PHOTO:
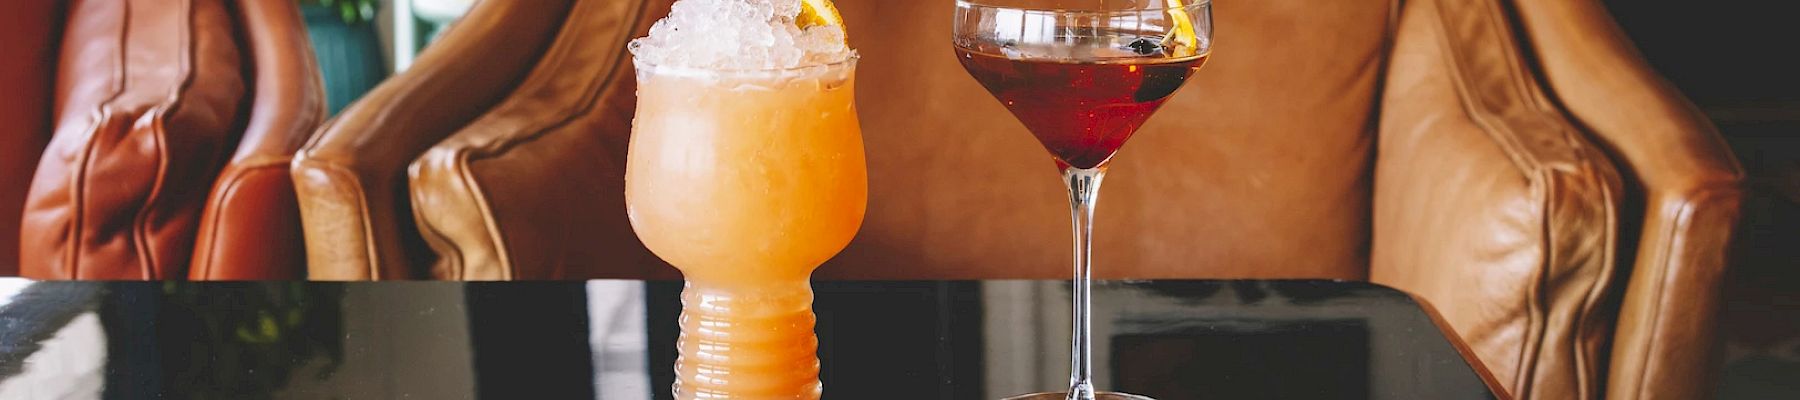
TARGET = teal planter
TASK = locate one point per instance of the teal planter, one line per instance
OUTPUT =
(349, 56)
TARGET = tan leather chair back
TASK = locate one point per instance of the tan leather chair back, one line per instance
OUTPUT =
(251, 227)
(148, 97)
(1258, 168)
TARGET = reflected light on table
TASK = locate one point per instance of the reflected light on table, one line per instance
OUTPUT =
(44, 353)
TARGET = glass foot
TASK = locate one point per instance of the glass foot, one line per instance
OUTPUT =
(1064, 395)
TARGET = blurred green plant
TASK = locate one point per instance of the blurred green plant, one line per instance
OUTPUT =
(352, 11)
(246, 340)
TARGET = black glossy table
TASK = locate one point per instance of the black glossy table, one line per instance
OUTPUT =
(615, 340)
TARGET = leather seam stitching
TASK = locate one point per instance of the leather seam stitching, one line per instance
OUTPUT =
(1604, 280)
(1662, 273)
(229, 184)
(84, 160)
(1535, 102)
(466, 172)
(1536, 99)
(158, 118)
(1482, 117)
(141, 222)
(1675, 230)
(428, 229)
(1581, 155)
(78, 214)
(1591, 298)
(373, 267)
(212, 222)
(1531, 351)
(367, 224)
(434, 235)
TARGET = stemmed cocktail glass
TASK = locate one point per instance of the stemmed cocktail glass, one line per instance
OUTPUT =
(1082, 75)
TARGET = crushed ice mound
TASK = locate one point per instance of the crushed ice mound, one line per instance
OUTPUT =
(739, 35)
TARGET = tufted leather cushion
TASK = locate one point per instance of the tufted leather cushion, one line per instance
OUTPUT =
(1492, 205)
(534, 189)
(148, 95)
(29, 32)
(251, 226)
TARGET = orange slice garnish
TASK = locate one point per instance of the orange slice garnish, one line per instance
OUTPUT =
(818, 13)
(1183, 35)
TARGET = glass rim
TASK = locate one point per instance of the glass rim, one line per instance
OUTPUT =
(639, 62)
(974, 4)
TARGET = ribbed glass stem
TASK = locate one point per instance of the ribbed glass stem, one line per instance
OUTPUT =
(747, 343)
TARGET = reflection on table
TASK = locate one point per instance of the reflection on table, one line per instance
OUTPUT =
(615, 340)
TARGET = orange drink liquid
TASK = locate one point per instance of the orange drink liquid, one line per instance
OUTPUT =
(746, 181)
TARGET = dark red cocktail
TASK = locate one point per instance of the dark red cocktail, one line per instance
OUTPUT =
(1081, 111)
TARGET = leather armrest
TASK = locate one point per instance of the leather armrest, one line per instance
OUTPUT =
(1691, 186)
(350, 177)
(535, 188)
(29, 32)
(1491, 204)
(148, 97)
(251, 227)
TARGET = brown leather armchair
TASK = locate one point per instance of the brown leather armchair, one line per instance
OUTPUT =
(151, 98)
(251, 226)
(1493, 205)
(1688, 185)
(148, 95)
(1598, 273)
(1511, 161)
(485, 201)
(351, 176)
(29, 32)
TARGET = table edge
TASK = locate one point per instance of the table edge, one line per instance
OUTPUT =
(1456, 341)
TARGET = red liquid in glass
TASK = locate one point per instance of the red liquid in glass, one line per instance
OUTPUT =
(1081, 112)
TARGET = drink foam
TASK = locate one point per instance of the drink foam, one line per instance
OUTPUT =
(739, 35)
